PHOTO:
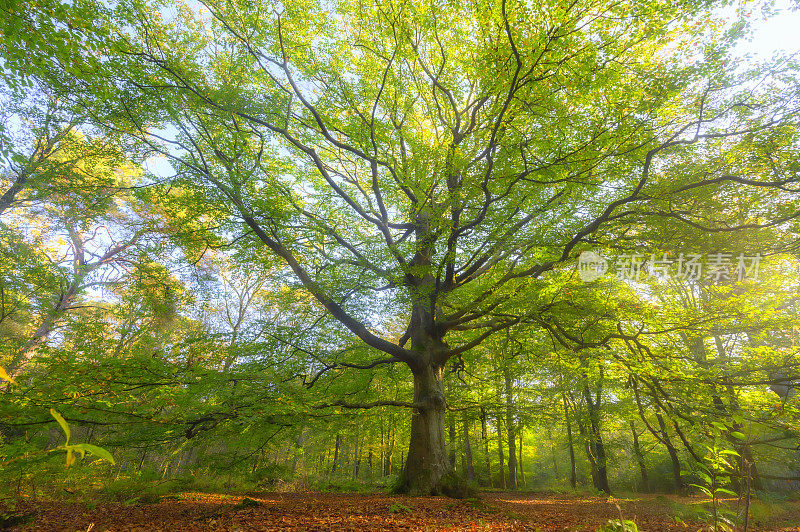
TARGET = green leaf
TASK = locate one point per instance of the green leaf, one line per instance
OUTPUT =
(95, 450)
(62, 422)
(738, 435)
(70, 457)
(719, 425)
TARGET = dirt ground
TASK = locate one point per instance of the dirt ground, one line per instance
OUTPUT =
(359, 512)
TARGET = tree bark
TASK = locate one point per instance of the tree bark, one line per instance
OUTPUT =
(673, 454)
(597, 447)
(512, 436)
(500, 453)
(390, 433)
(356, 457)
(519, 463)
(451, 433)
(572, 471)
(637, 451)
(486, 454)
(336, 453)
(470, 469)
(382, 455)
(427, 460)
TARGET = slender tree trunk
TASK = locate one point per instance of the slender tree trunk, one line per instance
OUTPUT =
(572, 470)
(637, 451)
(382, 456)
(500, 453)
(519, 464)
(10, 195)
(673, 454)
(28, 351)
(336, 453)
(463, 463)
(585, 433)
(470, 470)
(144, 454)
(512, 436)
(390, 434)
(451, 433)
(45, 148)
(597, 447)
(64, 300)
(486, 454)
(553, 452)
(356, 460)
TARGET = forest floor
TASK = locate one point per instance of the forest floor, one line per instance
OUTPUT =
(360, 512)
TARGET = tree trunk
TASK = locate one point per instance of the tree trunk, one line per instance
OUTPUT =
(382, 456)
(451, 433)
(572, 472)
(586, 438)
(10, 195)
(597, 447)
(356, 458)
(637, 451)
(336, 453)
(64, 299)
(500, 453)
(519, 463)
(487, 456)
(427, 460)
(602, 463)
(470, 470)
(553, 452)
(673, 454)
(63, 302)
(299, 441)
(512, 436)
(390, 449)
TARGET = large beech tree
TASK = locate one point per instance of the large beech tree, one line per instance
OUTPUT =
(432, 162)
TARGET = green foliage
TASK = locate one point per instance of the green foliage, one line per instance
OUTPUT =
(12, 519)
(247, 502)
(619, 525)
(714, 474)
(399, 508)
(345, 485)
(80, 448)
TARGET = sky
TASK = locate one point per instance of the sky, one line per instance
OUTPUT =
(780, 32)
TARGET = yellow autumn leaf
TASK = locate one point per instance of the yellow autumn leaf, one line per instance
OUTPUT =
(5, 376)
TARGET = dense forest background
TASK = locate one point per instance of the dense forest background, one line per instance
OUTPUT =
(287, 246)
